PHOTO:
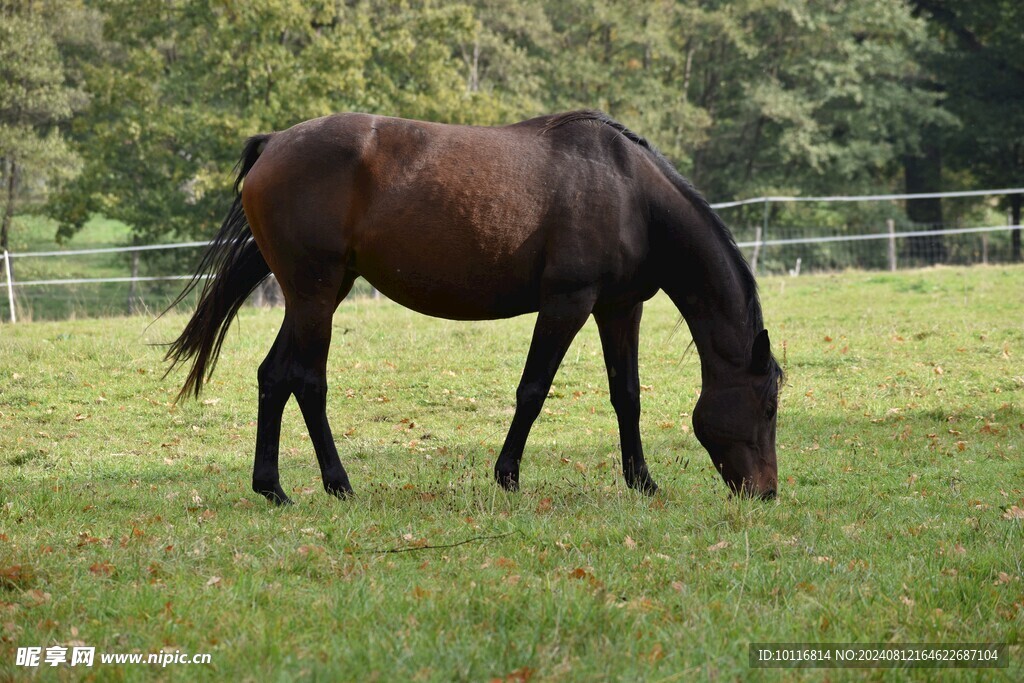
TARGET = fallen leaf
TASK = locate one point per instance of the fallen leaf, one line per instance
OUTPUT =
(39, 597)
(1003, 578)
(1013, 512)
(102, 568)
(16, 576)
(214, 581)
(629, 542)
(719, 546)
(521, 675)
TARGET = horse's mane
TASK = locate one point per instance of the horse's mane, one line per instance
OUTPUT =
(686, 188)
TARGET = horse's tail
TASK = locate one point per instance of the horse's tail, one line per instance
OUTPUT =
(231, 268)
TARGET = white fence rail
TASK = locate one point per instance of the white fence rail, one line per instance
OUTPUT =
(872, 197)
(757, 245)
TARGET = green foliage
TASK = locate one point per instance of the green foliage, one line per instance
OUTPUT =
(187, 82)
(35, 99)
(753, 97)
(981, 68)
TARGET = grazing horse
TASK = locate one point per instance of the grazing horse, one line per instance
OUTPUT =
(568, 216)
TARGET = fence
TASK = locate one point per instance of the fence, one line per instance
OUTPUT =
(775, 244)
(811, 234)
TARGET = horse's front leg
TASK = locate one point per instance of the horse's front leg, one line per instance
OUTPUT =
(559, 319)
(620, 339)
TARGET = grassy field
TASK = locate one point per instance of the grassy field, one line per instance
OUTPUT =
(128, 524)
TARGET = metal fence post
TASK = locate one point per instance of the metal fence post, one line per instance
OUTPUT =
(10, 285)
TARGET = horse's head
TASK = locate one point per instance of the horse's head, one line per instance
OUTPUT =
(735, 421)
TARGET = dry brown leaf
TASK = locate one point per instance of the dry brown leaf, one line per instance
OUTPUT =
(102, 568)
(1013, 512)
(1003, 578)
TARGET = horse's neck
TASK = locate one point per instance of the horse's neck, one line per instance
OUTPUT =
(706, 285)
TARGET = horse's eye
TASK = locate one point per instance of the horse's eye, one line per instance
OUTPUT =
(770, 411)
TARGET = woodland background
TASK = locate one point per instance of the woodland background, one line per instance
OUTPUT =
(135, 110)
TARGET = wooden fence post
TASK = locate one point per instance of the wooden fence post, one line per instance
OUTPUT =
(757, 250)
(891, 224)
(133, 286)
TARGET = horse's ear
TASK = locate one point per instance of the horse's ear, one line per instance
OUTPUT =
(761, 354)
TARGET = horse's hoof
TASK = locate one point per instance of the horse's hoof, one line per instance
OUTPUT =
(278, 498)
(643, 483)
(341, 490)
(507, 480)
(272, 492)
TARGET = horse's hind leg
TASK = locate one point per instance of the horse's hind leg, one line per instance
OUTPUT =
(297, 365)
(273, 388)
(620, 339)
(560, 318)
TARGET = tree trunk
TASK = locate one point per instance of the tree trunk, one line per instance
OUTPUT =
(922, 174)
(5, 224)
(12, 188)
(1015, 200)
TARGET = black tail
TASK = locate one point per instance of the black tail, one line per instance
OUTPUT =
(231, 268)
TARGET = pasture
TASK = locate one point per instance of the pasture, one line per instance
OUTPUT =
(128, 524)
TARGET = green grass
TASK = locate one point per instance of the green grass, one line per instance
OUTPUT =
(128, 524)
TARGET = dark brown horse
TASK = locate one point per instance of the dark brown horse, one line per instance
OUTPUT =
(567, 215)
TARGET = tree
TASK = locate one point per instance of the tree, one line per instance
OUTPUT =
(37, 97)
(186, 82)
(980, 68)
(811, 97)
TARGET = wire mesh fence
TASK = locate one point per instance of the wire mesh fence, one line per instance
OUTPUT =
(806, 234)
(910, 245)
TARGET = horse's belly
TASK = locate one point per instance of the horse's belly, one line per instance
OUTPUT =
(459, 284)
